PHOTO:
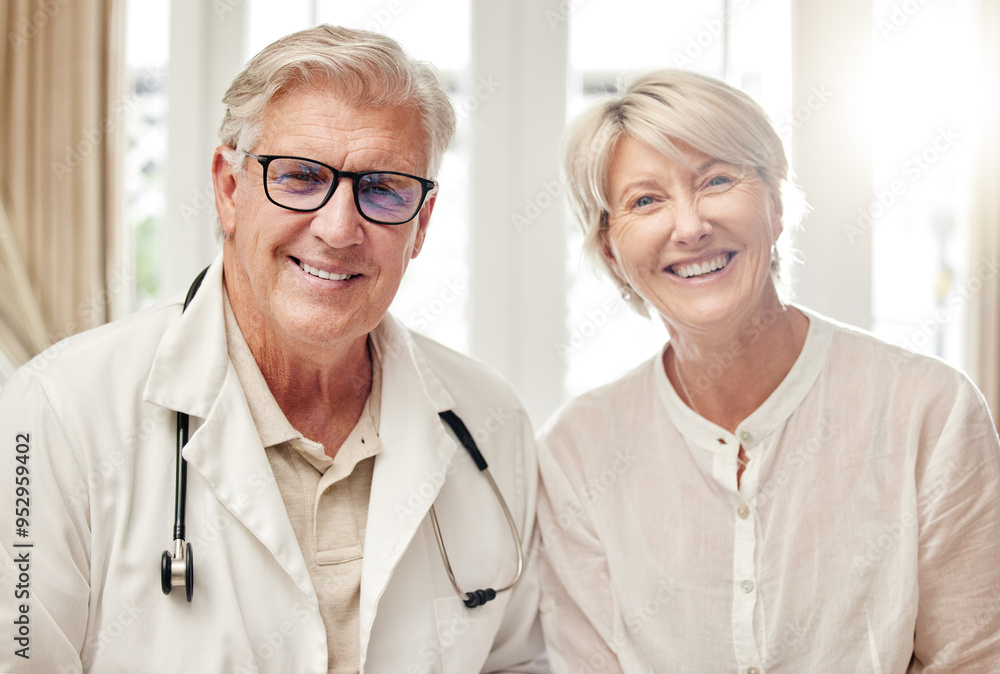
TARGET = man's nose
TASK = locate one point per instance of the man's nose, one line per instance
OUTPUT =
(338, 222)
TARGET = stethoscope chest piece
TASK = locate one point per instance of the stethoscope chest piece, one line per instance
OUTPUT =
(177, 570)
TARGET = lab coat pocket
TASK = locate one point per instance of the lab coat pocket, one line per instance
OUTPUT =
(466, 634)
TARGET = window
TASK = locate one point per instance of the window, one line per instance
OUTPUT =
(486, 282)
(146, 60)
(923, 113)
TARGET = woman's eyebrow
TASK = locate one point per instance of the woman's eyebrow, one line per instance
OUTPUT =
(709, 163)
(638, 183)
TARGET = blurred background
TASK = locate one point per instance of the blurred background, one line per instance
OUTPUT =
(888, 109)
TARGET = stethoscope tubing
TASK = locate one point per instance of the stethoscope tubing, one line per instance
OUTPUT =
(477, 597)
(177, 570)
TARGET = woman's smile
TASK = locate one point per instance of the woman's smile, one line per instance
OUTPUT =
(700, 269)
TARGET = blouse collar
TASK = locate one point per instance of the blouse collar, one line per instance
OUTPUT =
(772, 413)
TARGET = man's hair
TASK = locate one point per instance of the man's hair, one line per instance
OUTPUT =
(367, 69)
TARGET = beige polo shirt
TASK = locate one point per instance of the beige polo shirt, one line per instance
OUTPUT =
(326, 499)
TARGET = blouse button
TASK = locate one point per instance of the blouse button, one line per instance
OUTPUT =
(743, 511)
(747, 586)
(753, 670)
(745, 436)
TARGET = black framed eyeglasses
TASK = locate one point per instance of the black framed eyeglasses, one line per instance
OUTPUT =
(382, 197)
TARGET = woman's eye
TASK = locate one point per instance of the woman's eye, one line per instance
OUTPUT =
(642, 202)
(718, 181)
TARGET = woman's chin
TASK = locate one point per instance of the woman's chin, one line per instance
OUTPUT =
(720, 314)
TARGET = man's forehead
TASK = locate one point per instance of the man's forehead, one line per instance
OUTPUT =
(313, 116)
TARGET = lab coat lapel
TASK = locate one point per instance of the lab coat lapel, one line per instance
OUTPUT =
(192, 361)
(227, 452)
(412, 467)
(192, 373)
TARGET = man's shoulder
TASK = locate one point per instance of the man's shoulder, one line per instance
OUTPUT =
(461, 372)
(95, 355)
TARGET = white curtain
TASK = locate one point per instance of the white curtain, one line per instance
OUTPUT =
(61, 120)
(984, 337)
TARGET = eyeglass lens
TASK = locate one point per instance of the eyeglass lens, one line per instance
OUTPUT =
(303, 185)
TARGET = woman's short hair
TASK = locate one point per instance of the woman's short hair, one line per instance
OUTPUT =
(367, 69)
(663, 109)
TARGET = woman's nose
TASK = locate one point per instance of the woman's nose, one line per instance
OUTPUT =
(690, 226)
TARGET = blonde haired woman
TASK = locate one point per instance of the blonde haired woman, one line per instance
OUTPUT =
(773, 491)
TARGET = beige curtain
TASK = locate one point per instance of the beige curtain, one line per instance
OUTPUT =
(985, 305)
(61, 122)
(22, 330)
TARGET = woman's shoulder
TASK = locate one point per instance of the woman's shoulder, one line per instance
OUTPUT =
(863, 356)
(593, 412)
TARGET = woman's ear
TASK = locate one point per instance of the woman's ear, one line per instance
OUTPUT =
(608, 253)
(777, 213)
(609, 257)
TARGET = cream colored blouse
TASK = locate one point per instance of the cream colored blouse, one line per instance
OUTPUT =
(865, 532)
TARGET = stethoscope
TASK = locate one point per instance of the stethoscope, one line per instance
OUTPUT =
(177, 570)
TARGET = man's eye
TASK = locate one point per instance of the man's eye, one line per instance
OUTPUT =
(379, 193)
(302, 177)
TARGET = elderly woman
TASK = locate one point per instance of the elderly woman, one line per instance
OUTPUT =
(773, 491)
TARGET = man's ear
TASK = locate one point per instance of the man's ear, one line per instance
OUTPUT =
(224, 182)
(423, 217)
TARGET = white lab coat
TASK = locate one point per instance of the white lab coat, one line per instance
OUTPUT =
(97, 414)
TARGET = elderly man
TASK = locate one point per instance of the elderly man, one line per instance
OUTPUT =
(326, 513)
